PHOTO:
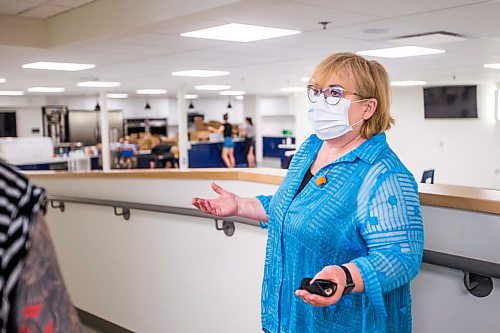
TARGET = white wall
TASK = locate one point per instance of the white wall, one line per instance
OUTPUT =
(463, 151)
(28, 112)
(158, 272)
(277, 115)
(28, 119)
(136, 268)
(214, 109)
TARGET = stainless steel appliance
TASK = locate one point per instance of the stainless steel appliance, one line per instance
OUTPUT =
(55, 122)
(157, 126)
(85, 126)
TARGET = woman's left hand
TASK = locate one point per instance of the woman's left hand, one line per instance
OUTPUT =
(332, 273)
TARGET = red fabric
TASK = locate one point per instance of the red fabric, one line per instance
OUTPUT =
(32, 311)
(49, 328)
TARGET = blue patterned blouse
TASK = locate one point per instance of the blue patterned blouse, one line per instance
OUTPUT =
(367, 213)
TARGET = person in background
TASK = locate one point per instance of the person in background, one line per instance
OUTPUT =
(34, 298)
(248, 133)
(228, 147)
(128, 153)
(347, 211)
(163, 156)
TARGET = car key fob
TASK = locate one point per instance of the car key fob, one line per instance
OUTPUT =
(325, 288)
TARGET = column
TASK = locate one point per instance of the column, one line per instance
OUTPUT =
(182, 127)
(104, 132)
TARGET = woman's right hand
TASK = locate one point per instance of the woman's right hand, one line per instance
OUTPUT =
(226, 204)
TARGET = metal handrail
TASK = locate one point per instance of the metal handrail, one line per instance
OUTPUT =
(467, 265)
(150, 208)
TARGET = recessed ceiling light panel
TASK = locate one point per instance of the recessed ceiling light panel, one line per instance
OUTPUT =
(2, 80)
(58, 66)
(11, 93)
(212, 87)
(401, 52)
(200, 73)
(494, 66)
(232, 93)
(151, 91)
(236, 32)
(116, 95)
(190, 96)
(46, 89)
(98, 84)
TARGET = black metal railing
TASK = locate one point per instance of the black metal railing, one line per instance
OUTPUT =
(478, 273)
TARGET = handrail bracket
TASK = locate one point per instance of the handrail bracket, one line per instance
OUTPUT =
(227, 226)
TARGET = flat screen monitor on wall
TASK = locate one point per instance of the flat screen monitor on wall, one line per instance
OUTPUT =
(450, 102)
(8, 124)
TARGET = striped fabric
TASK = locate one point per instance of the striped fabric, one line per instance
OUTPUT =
(19, 201)
(368, 213)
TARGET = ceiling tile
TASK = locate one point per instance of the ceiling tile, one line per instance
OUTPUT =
(14, 7)
(468, 20)
(70, 3)
(44, 11)
(388, 8)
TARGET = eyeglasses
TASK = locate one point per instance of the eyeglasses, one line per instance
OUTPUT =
(332, 94)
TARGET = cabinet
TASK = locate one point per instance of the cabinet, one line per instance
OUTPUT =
(270, 145)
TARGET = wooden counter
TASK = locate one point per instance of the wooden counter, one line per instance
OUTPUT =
(450, 196)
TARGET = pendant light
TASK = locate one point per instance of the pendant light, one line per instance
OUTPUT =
(97, 106)
(147, 106)
(191, 106)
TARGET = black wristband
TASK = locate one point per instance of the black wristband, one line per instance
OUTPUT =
(349, 284)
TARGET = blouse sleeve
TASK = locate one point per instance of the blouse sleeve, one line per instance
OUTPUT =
(391, 225)
(264, 200)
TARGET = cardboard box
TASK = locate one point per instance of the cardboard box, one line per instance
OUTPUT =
(214, 124)
(198, 124)
(199, 135)
(236, 130)
(155, 141)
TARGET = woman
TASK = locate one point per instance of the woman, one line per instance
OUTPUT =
(248, 132)
(228, 147)
(347, 211)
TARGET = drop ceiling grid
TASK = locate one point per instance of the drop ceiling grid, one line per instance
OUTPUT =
(390, 8)
(473, 20)
(150, 56)
(43, 11)
(289, 15)
(40, 9)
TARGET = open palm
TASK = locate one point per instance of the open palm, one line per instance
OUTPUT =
(226, 204)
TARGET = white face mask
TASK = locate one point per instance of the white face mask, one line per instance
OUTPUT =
(330, 121)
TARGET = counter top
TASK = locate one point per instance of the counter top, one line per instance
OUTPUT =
(214, 142)
(260, 175)
(450, 196)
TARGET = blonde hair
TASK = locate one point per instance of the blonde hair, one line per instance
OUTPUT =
(371, 81)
